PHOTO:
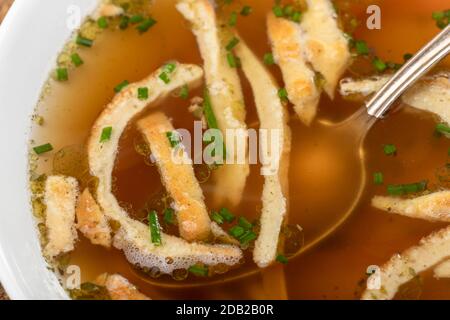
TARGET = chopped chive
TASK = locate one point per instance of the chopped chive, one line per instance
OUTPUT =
(379, 64)
(296, 16)
(438, 15)
(361, 47)
(269, 59)
(282, 259)
(43, 148)
(164, 77)
(402, 189)
(389, 149)
(246, 11)
(84, 41)
(184, 92)
(143, 93)
(124, 22)
(233, 43)
(217, 218)
(106, 134)
(227, 215)
(233, 19)
(232, 60)
(208, 111)
(76, 60)
(277, 11)
(244, 223)
(146, 24)
(378, 178)
(102, 22)
(136, 19)
(200, 271)
(407, 56)
(155, 228)
(120, 86)
(236, 231)
(170, 67)
(62, 74)
(169, 216)
(283, 94)
(173, 137)
(288, 10)
(442, 128)
(247, 237)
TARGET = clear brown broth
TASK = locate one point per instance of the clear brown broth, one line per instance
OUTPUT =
(335, 267)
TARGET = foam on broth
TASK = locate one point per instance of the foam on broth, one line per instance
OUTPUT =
(332, 269)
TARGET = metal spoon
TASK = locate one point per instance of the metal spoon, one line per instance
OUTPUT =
(348, 161)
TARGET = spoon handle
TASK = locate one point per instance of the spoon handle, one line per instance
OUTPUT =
(413, 69)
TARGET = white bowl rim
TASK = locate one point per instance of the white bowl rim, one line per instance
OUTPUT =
(31, 36)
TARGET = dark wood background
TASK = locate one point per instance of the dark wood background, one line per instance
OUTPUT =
(4, 7)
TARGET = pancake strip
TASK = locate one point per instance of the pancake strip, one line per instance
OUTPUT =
(133, 237)
(60, 199)
(225, 94)
(178, 178)
(273, 116)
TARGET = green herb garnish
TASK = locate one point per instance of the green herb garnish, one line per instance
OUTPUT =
(402, 189)
(379, 64)
(136, 19)
(43, 148)
(244, 223)
(62, 74)
(198, 270)
(146, 24)
(76, 60)
(237, 231)
(84, 41)
(208, 111)
(389, 149)
(217, 218)
(269, 59)
(443, 128)
(106, 134)
(120, 86)
(227, 215)
(124, 21)
(378, 178)
(174, 138)
(155, 228)
(102, 23)
(283, 95)
(361, 47)
(233, 19)
(246, 11)
(282, 259)
(143, 93)
(184, 92)
(233, 43)
(169, 216)
(247, 237)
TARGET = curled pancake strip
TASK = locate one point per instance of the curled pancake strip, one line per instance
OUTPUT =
(327, 47)
(225, 94)
(432, 207)
(290, 54)
(403, 267)
(273, 118)
(133, 237)
(431, 94)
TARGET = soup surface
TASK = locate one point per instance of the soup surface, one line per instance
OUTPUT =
(334, 268)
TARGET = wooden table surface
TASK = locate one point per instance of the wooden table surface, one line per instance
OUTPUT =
(4, 6)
